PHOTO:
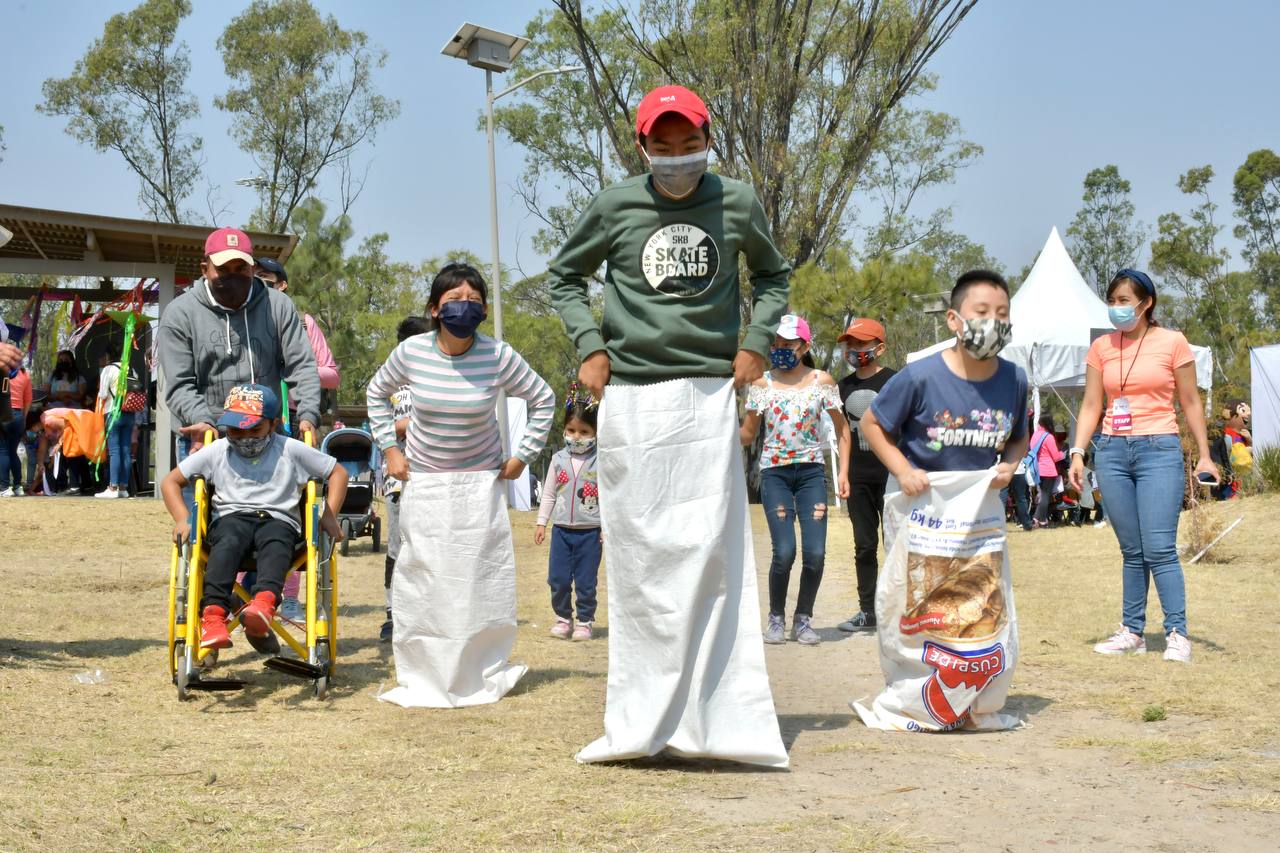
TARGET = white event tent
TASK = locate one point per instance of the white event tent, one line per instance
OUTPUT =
(1264, 364)
(1056, 315)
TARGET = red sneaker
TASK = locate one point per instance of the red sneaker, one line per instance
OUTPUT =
(213, 628)
(257, 614)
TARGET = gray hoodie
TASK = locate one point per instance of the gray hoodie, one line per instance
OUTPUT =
(202, 353)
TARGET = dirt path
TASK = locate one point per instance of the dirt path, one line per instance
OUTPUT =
(1020, 790)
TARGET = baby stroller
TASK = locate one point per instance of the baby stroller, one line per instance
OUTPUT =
(354, 449)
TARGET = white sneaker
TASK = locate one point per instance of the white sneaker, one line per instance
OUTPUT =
(1102, 523)
(1177, 648)
(108, 492)
(8, 493)
(1123, 642)
(122, 493)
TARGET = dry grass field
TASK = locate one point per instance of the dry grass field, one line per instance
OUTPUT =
(1132, 754)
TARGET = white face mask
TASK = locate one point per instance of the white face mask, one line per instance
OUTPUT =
(678, 176)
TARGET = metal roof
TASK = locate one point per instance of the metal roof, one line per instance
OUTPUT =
(58, 235)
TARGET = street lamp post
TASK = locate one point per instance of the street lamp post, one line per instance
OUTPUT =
(495, 51)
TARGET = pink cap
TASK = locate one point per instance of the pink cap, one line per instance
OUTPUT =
(227, 244)
(793, 327)
(670, 99)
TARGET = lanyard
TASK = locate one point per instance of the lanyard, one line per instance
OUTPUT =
(1124, 375)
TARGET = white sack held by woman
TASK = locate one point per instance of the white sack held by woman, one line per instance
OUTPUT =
(455, 592)
(686, 658)
(948, 631)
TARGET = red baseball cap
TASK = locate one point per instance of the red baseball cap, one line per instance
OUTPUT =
(863, 329)
(227, 244)
(670, 99)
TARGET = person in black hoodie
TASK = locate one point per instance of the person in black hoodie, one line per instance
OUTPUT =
(230, 329)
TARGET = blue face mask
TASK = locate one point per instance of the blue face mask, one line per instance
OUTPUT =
(1123, 317)
(783, 358)
(461, 317)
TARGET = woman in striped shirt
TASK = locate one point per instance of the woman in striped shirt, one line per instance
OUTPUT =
(454, 584)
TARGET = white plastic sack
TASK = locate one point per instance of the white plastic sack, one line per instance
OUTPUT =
(948, 630)
(454, 589)
(686, 659)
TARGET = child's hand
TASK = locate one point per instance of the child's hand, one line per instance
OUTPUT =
(1004, 475)
(594, 373)
(748, 366)
(540, 534)
(329, 524)
(842, 486)
(181, 532)
(913, 482)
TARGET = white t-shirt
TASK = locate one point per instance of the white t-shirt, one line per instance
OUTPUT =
(107, 379)
(268, 483)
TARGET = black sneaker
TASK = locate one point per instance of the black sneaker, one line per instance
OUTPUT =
(266, 645)
(860, 621)
(384, 636)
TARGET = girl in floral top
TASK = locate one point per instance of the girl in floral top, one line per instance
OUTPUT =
(790, 400)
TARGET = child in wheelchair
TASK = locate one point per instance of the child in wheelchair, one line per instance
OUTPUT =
(254, 475)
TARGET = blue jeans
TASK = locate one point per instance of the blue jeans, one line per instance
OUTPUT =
(119, 442)
(788, 493)
(10, 440)
(575, 563)
(182, 451)
(1142, 479)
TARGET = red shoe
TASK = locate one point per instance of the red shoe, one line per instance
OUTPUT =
(213, 628)
(257, 614)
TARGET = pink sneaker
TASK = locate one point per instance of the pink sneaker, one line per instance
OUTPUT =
(562, 629)
(1177, 648)
(1122, 642)
(582, 632)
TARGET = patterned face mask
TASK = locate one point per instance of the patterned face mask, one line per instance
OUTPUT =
(250, 447)
(783, 358)
(579, 446)
(859, 357)
(984, 337)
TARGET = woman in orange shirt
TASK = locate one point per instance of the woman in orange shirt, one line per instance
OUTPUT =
(1138, 460)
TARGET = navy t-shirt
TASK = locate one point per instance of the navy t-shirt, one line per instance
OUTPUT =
(945, 423)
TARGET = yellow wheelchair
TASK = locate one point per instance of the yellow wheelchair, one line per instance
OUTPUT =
(316, 644)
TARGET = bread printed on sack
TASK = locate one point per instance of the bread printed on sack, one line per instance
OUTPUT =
(954, 598)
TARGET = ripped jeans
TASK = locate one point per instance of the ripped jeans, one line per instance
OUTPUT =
(788, 493)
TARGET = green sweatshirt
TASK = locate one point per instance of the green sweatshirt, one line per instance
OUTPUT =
(671, 298)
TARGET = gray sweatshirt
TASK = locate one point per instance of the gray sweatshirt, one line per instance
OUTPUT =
(571, 499)
(202, 353)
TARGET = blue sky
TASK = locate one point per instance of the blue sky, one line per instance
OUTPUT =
(1050, 90)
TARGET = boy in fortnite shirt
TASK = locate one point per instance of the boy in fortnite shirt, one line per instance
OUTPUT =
(960, 409)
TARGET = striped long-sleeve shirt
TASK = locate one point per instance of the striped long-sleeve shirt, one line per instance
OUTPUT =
(453, 426)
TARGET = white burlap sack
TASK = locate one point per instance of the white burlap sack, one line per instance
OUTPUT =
(948, 630)
(686, 659)
(455, 593)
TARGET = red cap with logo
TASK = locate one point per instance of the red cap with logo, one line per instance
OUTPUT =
(227, 244)
(670, 99)
(863, 329)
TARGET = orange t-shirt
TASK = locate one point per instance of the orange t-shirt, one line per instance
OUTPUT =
(1147, 372)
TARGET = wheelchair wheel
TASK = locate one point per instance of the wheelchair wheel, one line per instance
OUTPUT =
(323, 654)
(377, 534)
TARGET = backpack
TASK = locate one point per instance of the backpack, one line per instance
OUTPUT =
(1030, 463)
(135, 398)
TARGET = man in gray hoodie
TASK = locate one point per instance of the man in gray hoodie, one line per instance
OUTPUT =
(230, 329)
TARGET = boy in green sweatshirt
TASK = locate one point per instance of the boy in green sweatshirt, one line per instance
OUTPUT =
(685, 673)
(671, 241)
